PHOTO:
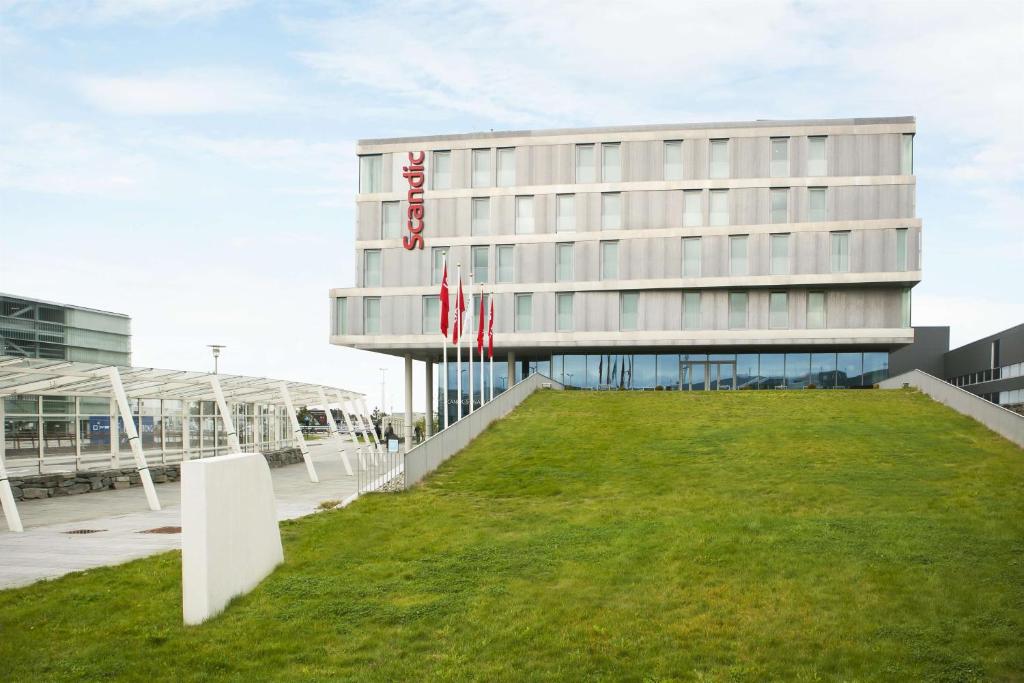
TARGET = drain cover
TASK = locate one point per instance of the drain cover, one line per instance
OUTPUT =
(84, 531)
(163, 530)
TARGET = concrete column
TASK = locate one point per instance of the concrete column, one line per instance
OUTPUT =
(511, 369)
(408, 401)
(429, 375)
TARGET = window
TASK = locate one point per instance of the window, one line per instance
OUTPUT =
(437, 265)
(609, 260)
(564, 318)
(611, 162)
(817, 208)
(442, 170)
(629, 305)
(585, 164)
(390, 226)
(524, 215)
(719, 156)
(780, 204)
(341, 315)
(431, 314)
(565, 213)
(692, 213)
(481, 267)
(905, 308)
(506, 268)
(506, 167)
(673, 160)
(901, 249)
(815, 310)
(737, 255)
(691, 257)
(371, 268)
(524, 312)
(480, 223)
(563, 265)
(817, 164)
(611, 211)
(371, 315)
(369, 173)
(737, 310)
(481, 168)
(907, 154)
(779, 245)
(779, 166)
(778, 310)
(719, 209)
(840, 252)
(691, 310)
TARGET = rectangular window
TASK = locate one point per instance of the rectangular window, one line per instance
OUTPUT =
(480, 223)
(563, 267)
(506, 261)
(719, 209)
(719, 158)
(481, 267)
(905, 308)
(779, 254)
(442, 176)
(611, 162)
(738, 255)
(609, 260)
(840, 252)
(481, 168)
(673, 160)
(524, 215)
(737, 310)
(341, 315)
(565, 213)
(815, 310)
(390, 223)
(907, 154)
(585, 170)
(611, 211)
(901, 249)
(431, 314)
(816, 162)
(437, 264)
(370, 173)
(778, 310)
(629, 309)
(691, 257)
(692, 213)
(691, 310)
(371, 315)
(779, 166)
(780, 204)
(506, 166)
(564, 321)
(817, 207)
(371, 268)
(524, 312)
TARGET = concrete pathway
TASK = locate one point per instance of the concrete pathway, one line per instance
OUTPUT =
(45, 550)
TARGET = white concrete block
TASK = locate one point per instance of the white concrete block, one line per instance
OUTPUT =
(230, 540)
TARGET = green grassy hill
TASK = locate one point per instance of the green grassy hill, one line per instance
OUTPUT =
(790, 535)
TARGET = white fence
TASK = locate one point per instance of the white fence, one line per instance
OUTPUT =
(428, 456)
(1000, 420)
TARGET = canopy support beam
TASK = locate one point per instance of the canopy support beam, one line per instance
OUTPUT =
(133, 437)
(297, 432)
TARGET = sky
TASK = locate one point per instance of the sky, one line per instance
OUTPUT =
(191, 163)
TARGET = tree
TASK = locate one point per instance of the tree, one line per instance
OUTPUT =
(376, 417)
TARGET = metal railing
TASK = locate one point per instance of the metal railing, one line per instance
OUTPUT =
(379, 468)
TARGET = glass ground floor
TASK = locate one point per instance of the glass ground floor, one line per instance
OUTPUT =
(677, 371)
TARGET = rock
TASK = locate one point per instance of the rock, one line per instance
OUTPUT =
(16, 492)
(34, 492)
(77, 488)
(118, 484)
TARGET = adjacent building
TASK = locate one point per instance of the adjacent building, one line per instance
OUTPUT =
(749, 255)
(32, 328)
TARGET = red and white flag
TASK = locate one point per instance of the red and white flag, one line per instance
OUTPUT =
(460, 311)
(480, 328)
(490, 331)
(445, 303)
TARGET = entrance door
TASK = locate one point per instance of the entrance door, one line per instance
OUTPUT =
(693, 376)
(722, 375)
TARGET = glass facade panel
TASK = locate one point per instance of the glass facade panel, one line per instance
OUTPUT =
(747, 371)
(779, 166)
(442, 176)
(431, 314)
(611, 211)
(849, 368)
(564, 264)
(798, 370)
(876, 367)
(719, 207)
(481, 168)
(907, 154)
(574, 370)
(738, 255)
(737, 310)
(565, 218)
(691, 311)
(480, 223)
(564, 321)
(668, 371)
(691, 257)
(390, 228)
(905, 308)
(778, 310)
(780, 204)
(370, 173)
(371, 315)
(585, 164)
(817, 206)
(437, 264)
(524, 215)
(340, 316)
(719, 158)
(609, 260)
(506, 260)
(611, 163)
(779, 245)
(481, 265)
(840, 252)
(524, 312)
(371, 268)
(642, 371)
(823, 370)
(693, 215)
(815, 310)
(772, 370)
(629, 310)
(674, 160)
(506, 167)
(816, 161)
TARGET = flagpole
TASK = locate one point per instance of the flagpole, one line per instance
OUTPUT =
(458, 343)
(472, 387)
(480, 344)
(444, 345)
(490, 341)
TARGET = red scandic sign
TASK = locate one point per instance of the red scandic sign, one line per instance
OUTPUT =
(414, 173)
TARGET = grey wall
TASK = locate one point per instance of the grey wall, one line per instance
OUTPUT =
(926, 353)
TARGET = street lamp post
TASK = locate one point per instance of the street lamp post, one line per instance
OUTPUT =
(216, 354)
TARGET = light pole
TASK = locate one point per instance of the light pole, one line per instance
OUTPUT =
(216, 354)
(383, 380)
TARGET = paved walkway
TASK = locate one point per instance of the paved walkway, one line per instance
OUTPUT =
(45, 549)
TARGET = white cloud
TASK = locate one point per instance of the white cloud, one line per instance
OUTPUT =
(109, 11)
(192, 91)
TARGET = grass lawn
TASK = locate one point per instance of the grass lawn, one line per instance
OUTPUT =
(784, 535)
